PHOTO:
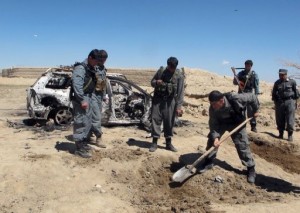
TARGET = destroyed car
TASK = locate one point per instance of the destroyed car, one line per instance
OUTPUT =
(48, 98)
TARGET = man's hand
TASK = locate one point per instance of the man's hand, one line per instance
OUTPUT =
(179, 112)
(159, 82)
(106, 99)
(217, 143)
(84, 105)
(256, 115)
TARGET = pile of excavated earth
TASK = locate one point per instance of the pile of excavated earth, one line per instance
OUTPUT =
(39, 172)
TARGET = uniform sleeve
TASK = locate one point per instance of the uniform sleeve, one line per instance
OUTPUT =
(296, 91)
(274, 92)
(214, 125)
(180, 91)
(256, 84)
(154, 79)
(104, 90)
(78, 82)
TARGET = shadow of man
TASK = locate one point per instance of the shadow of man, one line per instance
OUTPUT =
(141, 144)
(65, 146)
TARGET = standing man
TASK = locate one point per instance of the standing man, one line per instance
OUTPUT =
(167, 102)
(249, 83)
(284, 95)
(98, 97)
(226, 112)
(83, 86)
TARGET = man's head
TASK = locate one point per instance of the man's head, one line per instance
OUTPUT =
(172, 63)
(103, 56)
(283, 74)
(248, 65)
(216, 99)
(94, 57)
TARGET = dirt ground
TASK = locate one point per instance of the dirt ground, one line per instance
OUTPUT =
(39, 173)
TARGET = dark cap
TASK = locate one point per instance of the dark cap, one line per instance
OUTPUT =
(172, 62)
(283, 71)
(250, 62)
(98, 54)
(215, 96)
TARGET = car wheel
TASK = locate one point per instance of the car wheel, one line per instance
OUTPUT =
(63, 116)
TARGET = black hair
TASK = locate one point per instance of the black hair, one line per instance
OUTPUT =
(94, 54)
(249, 62)
(103, 54)
(215, 96)
(172, 62)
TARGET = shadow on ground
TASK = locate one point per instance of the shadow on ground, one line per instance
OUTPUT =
(141, 144)
(271, 134)
(65, 146)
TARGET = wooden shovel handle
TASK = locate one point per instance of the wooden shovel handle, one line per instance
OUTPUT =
(240, 83)
(224, 137)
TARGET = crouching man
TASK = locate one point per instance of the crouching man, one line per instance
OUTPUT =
(226, 112)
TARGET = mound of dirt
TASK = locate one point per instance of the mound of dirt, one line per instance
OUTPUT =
(282, 154)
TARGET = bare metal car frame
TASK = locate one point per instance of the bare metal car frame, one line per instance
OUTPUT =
(128, 103)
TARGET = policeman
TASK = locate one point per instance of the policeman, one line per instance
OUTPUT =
(250, 82)
(225, 113)
(167, 102)
(83, 86)
(98, 97)
(284, 95)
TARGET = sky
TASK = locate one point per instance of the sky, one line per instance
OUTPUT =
(206, 34)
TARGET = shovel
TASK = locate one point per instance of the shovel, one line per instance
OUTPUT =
(189, 170)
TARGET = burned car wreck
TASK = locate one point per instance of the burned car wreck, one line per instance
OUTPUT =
(48, 98)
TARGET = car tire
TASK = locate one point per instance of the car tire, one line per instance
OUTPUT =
(63, 116)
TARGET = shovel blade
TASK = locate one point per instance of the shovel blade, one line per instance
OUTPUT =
(183, 174)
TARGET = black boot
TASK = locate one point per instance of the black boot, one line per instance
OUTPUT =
(169, 145)
(253, 128)
(207, 165)
(87, 147)
(81, 151)
(153, 146)
(251, 174)
(280, 134)
(290, 136)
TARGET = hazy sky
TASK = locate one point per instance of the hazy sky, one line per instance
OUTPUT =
(208, 34)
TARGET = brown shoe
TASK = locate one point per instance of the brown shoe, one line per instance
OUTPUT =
(100, 143)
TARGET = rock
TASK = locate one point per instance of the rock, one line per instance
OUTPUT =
(98, 186)
(204, 112)
(219, 179)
